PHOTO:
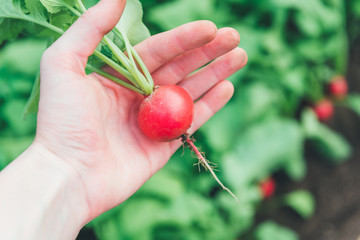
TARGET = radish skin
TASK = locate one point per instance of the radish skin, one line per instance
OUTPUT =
(166, 114)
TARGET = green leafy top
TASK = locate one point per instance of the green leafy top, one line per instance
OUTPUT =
(55, 14)
(54, 6)
(131, 22)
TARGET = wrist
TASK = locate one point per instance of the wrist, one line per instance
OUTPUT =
(43, 197)
(70, 185)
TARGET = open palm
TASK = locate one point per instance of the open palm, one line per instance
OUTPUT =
(90, 123)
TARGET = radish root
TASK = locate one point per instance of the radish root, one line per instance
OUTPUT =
(204, 162)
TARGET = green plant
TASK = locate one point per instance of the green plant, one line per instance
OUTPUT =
(19, 63)
(294, 48)
(54, 17)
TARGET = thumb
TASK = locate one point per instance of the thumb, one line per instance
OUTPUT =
(82, 38)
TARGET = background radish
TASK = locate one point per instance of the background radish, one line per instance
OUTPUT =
(267, 187)
(324, 109)
(338, 87)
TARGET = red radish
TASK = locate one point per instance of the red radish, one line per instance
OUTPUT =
(267, 187)
(324, 109)
(166, 115)
(338, 87)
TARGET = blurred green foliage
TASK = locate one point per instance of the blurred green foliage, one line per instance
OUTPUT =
(294, 48)
(19, 63)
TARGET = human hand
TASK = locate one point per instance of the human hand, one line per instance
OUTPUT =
(88, 124)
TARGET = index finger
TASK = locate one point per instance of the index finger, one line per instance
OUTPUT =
(161, 48)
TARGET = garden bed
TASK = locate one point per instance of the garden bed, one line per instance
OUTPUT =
(335, 187)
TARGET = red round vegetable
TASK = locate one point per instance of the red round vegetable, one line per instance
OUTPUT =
(324, 110)
(267, 187)
(166, 114)
(338, 87)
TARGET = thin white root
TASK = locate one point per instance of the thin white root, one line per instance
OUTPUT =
(205, 163)
(208, 167)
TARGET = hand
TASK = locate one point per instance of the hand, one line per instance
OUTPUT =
(89, 124)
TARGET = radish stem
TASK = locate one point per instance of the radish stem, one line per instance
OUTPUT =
(143, 67)
(116, 66)
(73, 10)
(80, 5)
(133, 54)
(142, 82)
(139, 78)
(114, 79)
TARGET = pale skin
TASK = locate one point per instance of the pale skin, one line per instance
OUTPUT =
(89, 155)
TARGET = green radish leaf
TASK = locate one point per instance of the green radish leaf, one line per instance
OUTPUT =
(167, 15)
(3, 162)
(296, 166)
(10, 29)
(54, 6)
(270, 230)
(133, 213)
(254, 102)
(289, 3)
(33, 101)
(107, 230)
(23, 55)
(310, 123)
(10, 26)
(353, 102)
(131, 23)
(11, 10)
(355, 7)
(295, 81)
(89, 3)
(165, 185)
(12, 113)
(270, 144)
(12, 147)
(62, 19)
(305, 21)
(332, 145)
(302, 202)
(36, 9)
(329, 143)
(107, 51)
